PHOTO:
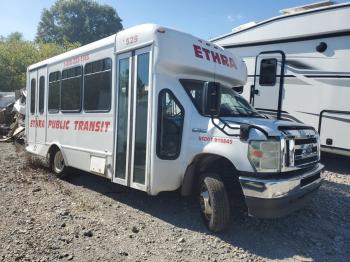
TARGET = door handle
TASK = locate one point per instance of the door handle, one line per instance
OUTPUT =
(256, 92)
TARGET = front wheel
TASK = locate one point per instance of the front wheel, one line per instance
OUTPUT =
(214, 202)
(57, 164)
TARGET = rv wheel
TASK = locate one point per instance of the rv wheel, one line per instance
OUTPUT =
(214, 202)
(57, 163)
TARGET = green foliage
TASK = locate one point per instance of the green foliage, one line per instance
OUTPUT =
(15, 36)
(82, 21)
(16, 55)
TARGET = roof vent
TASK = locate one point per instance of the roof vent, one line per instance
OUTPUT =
(304, 8)
(244, 26)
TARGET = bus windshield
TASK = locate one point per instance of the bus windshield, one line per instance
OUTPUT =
(232, 104)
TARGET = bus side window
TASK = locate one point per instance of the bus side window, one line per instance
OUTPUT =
(41, 94)
(71, 89)
(53, 104)
(268, 69)
(170, 125)
(32, 96)
(98, 85)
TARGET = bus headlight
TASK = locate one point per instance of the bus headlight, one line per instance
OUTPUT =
(265, 156)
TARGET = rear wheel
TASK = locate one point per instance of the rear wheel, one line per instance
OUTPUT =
(57, 164)
(214, 202)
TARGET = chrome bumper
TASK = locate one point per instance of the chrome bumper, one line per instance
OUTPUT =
(278, 197)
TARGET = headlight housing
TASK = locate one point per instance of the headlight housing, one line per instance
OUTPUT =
(265, 155)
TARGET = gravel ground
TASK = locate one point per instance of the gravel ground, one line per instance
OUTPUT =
(87, 218)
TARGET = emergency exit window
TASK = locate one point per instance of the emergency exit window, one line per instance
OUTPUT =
(268, 69)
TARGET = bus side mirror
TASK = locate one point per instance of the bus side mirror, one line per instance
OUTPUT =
(211, 99)
(238, 89)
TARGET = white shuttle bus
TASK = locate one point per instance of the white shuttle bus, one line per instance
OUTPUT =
(298, 68)
(153, 109)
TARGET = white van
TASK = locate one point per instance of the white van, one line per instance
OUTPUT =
(153, 109)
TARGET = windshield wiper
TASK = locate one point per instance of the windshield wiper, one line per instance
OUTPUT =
(254, 113)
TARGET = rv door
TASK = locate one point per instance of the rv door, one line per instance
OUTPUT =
(267, 91)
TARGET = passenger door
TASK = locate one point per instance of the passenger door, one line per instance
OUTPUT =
(133, 114)
(267, 91)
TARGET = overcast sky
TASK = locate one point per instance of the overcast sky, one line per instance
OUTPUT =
(205, 19)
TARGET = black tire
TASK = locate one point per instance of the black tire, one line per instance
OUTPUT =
(59, 169)
(214, 202)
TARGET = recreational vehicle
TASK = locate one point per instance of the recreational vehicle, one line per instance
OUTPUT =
(153, 109)
(298, 68)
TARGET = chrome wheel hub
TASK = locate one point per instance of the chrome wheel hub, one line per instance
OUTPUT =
(58, 162)
(204, 200)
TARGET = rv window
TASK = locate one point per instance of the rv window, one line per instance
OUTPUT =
(32, 96)
(170, 124)
(97, 85)
(41, 94)
(54, 92)
(268, 69)
(71, 89)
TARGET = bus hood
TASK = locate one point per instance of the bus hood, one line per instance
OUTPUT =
(271, 127)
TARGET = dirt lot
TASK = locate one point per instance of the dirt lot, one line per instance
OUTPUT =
(87, 218)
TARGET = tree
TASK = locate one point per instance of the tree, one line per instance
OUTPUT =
(81, 21)
(16, 55)
(15, 36)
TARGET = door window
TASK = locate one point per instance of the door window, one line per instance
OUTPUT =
(41, 94)
(142, 88)
(123, 104)
(268, 69)
(32, 96)
(170, 125)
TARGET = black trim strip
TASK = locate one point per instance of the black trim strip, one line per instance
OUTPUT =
(311, 76)
(294, 39)
(336, 148)
(332, 112)
(276, 76)
(284, 17)
(327, 76)
(283, 128)
(330, 117)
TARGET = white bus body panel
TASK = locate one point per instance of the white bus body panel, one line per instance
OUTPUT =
(172, 56)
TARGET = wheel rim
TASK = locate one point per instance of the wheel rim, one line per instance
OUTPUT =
(205, 203)
(58, 162)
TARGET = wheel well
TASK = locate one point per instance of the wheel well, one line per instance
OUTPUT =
(53, 148)
(210, 163)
